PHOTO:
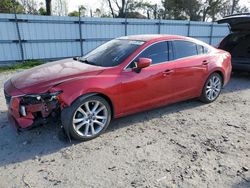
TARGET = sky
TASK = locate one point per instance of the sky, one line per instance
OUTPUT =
(93, 4)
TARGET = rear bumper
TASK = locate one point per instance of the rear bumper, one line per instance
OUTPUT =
(227, 75)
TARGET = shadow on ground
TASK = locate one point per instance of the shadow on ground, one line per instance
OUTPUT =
(50, 138)
(47, 139)
(245, 183)
(238, 82)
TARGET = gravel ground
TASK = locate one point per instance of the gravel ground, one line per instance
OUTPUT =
(188, 144)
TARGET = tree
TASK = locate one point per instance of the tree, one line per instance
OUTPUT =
(60, 8)
(151, 10)
(42, 11)
(98, 12)
(9, 6)
(193, 10)
(129, 8)
(232, 7)
(30, 6)
(74, 13)
(211, 9)
(48, 7)
(123, 7)
(173, 9)
(111, 8)
(182, 10)
(120, 8)
(82, 11)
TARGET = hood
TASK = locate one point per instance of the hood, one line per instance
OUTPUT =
(41, 78)
(239, 22)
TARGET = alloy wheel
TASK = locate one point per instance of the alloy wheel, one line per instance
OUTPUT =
(213, 88)
(90, 118)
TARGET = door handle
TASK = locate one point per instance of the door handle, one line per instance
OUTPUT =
(168, 72)
(205, 62)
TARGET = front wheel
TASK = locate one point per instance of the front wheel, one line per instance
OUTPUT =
(88, 118)
(212, 88)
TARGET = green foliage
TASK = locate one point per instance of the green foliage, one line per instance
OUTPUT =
(26, 65)
(42, 11)
(9, 6)
(74, 13)
(174, 9)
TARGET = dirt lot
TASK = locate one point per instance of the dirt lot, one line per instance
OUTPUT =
(188, 144)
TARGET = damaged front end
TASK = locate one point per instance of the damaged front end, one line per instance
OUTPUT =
(26, 111)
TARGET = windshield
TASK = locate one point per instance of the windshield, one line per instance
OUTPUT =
(111, 53)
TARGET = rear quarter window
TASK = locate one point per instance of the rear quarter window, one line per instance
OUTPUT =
(201, 49)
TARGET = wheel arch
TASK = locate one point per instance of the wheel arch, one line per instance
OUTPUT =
(109, 101)
(218, 71)
(65, 111)
(84, 96)
(221, 74)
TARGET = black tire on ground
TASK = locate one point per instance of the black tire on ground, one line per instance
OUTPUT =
(204, 97)
(69, 113)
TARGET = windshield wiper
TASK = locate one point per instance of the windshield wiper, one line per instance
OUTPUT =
(86, 61)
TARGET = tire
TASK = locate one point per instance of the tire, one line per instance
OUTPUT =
(212, 88)
(87, 118)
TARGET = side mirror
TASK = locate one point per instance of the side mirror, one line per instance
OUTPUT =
(142, 63)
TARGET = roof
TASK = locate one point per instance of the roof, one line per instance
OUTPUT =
(149, 37)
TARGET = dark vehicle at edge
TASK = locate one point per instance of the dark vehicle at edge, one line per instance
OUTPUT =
(237, 42)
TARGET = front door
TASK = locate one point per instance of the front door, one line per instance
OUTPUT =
(153, 85)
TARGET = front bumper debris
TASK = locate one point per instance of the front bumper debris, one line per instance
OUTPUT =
(30, 110)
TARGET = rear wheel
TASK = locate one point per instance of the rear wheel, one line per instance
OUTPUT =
(212, 88)
(88, 117)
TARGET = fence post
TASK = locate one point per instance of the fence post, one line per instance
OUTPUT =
(189, 25)
(126, 26)
(159, 26)
(211, 33)
(19, 37)
(80, 31)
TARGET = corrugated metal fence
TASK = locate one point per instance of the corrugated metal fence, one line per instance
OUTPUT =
(51, 37)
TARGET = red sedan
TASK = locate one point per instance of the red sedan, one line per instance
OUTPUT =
(123, 76)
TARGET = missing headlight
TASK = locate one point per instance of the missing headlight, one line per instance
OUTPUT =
(23, 110)
(38, 98)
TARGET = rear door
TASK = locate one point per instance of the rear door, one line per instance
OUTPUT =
(191, 61)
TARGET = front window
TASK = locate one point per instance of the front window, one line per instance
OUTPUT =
(112, 53)
(159, 53)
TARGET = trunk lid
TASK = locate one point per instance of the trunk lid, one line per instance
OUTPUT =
(237, 22)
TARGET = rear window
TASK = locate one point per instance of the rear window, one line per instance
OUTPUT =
(184, 49)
